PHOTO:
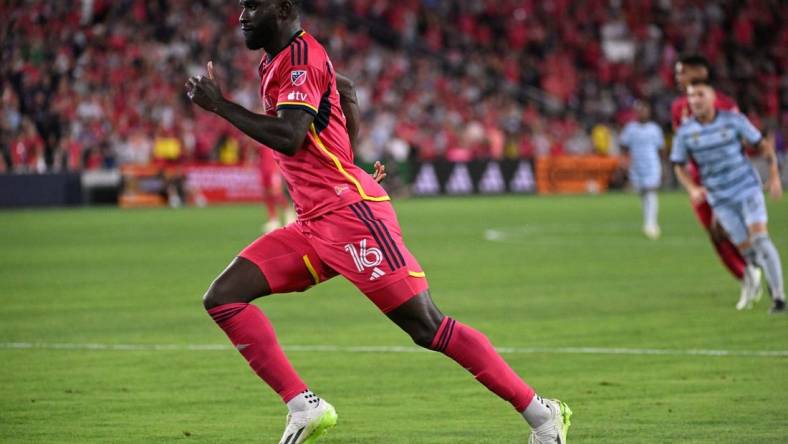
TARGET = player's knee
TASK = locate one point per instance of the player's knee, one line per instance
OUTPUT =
(760, 239)
(219, 293)
(423, 337)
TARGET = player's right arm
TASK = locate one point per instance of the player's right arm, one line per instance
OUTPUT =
(284, 133)
(678, 156)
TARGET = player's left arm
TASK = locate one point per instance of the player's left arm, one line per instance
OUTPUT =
(773, 184)
(284, 133)
(349, 103)
(765, 146)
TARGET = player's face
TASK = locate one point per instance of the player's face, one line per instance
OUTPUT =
(642, 111)
(258, 22)
(685, 74)
(701, 100)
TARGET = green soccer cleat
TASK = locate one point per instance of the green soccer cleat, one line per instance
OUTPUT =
(556, 429)
(308, 426)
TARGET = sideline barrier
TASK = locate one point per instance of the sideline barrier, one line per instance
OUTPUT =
(40, 190)
(479, 176)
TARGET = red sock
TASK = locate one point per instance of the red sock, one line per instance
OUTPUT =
(731, 257)
(472, 350)
(253, 335)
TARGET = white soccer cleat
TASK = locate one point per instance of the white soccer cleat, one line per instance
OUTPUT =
(652, 232)
(305, 427)
(751, 288)
(553, 431)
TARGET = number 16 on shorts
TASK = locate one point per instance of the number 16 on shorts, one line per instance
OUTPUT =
(365, 258)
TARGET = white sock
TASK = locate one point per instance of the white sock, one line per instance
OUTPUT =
(650, 208)
(303, 401)
(537, 413)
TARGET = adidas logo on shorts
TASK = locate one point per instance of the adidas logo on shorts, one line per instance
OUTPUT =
(376, 273)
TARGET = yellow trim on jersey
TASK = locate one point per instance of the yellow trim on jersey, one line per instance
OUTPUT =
(298, 104)
(417, 274)
(311, 269)
(342, 170)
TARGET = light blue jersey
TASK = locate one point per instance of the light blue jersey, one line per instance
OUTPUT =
(716, 147)
(644, 141)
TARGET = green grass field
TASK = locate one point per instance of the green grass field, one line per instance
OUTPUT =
(560, 273)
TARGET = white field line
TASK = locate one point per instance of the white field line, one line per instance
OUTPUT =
(394, 349)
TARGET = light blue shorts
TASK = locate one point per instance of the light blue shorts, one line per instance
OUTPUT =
(645, 180)
(735, 217)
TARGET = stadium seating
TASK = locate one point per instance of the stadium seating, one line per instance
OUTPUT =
(101, 85)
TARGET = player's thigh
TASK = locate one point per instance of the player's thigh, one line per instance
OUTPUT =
(731, 219)
(755, 215)
(281, 261)
(363, 242)
(287, 260)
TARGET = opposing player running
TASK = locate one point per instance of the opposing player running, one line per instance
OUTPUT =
(644, 142)
(346, 225)
(712, 138)
(696, 67)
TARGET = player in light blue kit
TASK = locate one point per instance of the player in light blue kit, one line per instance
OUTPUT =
(644, 141)
(729, 182)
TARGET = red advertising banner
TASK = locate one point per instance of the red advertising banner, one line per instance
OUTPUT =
(224, 184)
(152, 185)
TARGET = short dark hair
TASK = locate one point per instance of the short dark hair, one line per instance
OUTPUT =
(698, 61)
(702, 82)
(695, 60)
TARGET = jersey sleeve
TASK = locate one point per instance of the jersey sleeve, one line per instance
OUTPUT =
(302, 81)
(626, 136)
(660, 137)
(746, 129)
(678, 152)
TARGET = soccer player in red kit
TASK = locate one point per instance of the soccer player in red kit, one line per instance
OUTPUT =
(687, 69)
(346, 226)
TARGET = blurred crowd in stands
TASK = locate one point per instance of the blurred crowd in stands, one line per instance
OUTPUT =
(89, 84)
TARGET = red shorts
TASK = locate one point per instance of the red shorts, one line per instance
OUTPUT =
(362, 242)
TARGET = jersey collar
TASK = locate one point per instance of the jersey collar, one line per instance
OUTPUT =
(268, 57)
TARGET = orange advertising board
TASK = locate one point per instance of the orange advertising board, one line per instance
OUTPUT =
(574, 174)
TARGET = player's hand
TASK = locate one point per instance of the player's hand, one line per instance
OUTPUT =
(205, 91)
(774, 187)
(697, 194)
(380, 172)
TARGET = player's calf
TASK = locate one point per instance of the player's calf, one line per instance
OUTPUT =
(470, 348)
(769, 260)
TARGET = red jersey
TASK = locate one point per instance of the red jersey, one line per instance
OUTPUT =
(680, 110)
(321, 176)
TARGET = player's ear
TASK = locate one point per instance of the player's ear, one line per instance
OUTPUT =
(286, 9)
